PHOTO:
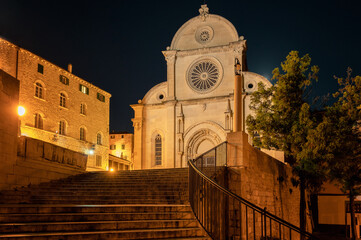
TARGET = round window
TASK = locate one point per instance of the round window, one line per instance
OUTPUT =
(204, 75)
(204, 34)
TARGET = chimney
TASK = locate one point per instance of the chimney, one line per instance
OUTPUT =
(70, 68)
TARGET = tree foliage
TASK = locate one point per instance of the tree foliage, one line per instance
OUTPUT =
(283, 119)
(337, 139)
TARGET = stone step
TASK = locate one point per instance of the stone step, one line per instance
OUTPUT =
(160, 233)
(120, 192)
(70, 208)
(77, 217)
(94, 225)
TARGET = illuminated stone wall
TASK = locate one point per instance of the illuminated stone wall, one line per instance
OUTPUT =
(261, 179)
(9, 98)
(24, 66)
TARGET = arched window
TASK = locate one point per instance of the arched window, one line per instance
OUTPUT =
(39, 90)
(62, 126)
(158, 150)
(99, 139)
(82, 134)
(62, 100)
(38, 123)
(83, 108)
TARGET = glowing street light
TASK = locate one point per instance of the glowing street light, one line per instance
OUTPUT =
(111, 169)
(21, 110)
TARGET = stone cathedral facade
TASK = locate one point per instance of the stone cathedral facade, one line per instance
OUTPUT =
(192, 111)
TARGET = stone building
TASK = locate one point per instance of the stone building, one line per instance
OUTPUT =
(121, 150)
(192, 111)
(61, 108)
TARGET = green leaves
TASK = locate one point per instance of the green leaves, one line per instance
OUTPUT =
(283, 118)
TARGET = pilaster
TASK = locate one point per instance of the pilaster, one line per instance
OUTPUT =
(170, 56)
(138, 135)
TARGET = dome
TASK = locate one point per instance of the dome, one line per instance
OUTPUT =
(205, 30)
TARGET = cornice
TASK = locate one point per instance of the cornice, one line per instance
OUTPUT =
(237, 47)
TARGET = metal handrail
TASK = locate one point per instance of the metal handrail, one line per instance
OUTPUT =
(228, 196)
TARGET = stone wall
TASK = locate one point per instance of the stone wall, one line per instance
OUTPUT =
(9, 99)
(261, 179)
(38, 161)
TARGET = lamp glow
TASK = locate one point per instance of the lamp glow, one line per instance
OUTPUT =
(21, 110)
(112, 169)
(91, 151)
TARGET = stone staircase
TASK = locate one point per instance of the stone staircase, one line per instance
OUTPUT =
(142, 204)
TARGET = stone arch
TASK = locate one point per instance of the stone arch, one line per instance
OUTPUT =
(201, 136)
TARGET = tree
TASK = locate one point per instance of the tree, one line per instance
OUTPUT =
(283, 119)
(337, 139)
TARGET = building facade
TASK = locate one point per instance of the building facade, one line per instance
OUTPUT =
(121, 150)
(192, 111)
(61, 108)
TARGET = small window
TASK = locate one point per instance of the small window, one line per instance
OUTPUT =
(123, 147)
(158, 150)
(83, 109)
(39, 90)
(98, 162)
(122, 136)
(100, 97)
(82, 134)
(99, 139)
(113, 147)
(62, 100)
(64, 80)
(38, 121)
(62, 126)
(112, 137)
(83, 89)
(40, 69)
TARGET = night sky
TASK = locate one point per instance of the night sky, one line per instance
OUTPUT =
(116, 45)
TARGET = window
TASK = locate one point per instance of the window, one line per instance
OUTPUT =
(83, 89)
(38, 121)
(100, 97)
(83, 109)
(112, 137)
(39, 90)
(123, 147)
(99, 139)
(62, 126)
(113, 147)
(40, 69)
(82, 134)
(62, 100)
(122, 136)
(158, 150)
(98, 162)
(64, 80)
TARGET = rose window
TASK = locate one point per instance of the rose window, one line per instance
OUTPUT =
(204, 36)
(204, 76)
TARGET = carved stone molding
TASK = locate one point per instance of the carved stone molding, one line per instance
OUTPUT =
(204, 12)
(169, 55)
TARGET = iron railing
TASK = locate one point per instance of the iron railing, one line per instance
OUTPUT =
(225, 215)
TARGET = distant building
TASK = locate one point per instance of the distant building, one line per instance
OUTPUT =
(61, 108)
(121, 150)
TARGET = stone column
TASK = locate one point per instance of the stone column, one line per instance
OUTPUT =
(138, 135)
(238, 99)
(170, 58)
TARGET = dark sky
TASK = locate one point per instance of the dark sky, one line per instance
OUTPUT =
(116, 45)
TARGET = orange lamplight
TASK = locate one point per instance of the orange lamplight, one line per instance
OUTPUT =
(111, 169)
(21, 110)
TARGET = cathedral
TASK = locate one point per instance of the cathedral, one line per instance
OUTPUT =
(193, 110)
